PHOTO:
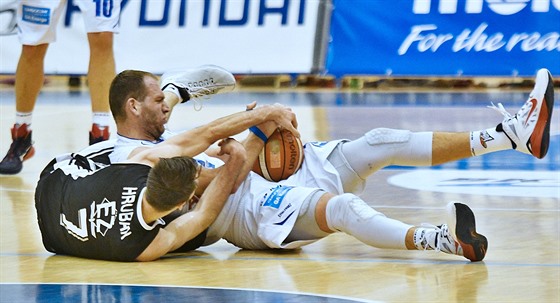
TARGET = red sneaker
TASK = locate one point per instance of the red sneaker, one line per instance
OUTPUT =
(98, 134)
(20, 150)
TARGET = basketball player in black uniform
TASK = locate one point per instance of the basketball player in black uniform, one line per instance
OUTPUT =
(114, 212)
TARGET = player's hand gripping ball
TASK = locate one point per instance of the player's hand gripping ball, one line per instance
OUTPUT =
(281, 156)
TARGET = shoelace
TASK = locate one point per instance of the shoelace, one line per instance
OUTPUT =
(197, 104)
(437, 242)
(200, 92)
(501, 109)
(198, 95)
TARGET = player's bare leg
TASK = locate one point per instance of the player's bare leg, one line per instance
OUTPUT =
(29, 76)
(29, 81)
(100, 75)
(447, 147)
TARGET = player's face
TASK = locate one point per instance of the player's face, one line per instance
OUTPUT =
(191, 202)
(155, 111)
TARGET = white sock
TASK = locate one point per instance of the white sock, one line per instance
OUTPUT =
(101, 118)
(350, 214)
(420, 240)
(488, 141)
(24, 118)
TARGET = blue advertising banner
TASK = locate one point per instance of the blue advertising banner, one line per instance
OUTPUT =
(243, 36)
(444, 37)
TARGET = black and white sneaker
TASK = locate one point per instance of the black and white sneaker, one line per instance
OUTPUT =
(457, 237)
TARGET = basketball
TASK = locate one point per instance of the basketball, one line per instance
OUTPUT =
(281, 156)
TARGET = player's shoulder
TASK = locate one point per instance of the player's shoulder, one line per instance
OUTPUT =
(99, 152)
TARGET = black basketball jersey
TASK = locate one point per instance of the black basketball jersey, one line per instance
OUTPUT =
(91, 210)
(94, 213)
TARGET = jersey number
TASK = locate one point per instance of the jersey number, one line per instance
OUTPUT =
(80, 231)
(102, 218)
(103, 8)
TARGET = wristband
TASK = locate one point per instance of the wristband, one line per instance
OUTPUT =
(255, 130)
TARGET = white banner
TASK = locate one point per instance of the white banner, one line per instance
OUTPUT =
(243, 36)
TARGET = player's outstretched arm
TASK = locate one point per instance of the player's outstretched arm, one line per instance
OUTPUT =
(195, 141)
(191, 224)
(253, 144)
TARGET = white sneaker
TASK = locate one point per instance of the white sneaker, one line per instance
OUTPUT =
(457, 237)
(438, 238)
(201, 81)
(529, 129)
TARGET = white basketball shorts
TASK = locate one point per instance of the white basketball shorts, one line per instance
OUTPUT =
(38, 19)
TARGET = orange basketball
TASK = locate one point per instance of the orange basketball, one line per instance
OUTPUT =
(281, 156)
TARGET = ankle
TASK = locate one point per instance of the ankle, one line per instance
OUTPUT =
(420, 238)
(21, 131)
(488, 141)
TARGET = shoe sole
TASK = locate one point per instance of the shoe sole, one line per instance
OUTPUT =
(540, 137)
(462, 225)
(28, 154)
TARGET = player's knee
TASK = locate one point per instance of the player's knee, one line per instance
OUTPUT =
(348, 209)
(351, 180)
(386, 136)
(34, 51)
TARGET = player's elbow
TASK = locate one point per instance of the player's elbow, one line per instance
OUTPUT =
(145, 259)
(148, 255)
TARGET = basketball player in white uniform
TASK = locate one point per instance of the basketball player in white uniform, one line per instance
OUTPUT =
(263, 214)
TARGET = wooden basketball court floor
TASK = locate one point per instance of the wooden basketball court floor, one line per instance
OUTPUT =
(514, 196)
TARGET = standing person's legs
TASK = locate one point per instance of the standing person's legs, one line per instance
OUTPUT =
(101, 19)
(101, 72)
(37, 20)
(29, 81)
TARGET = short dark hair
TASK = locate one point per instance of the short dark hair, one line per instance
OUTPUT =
(127, 84)
(171, 181)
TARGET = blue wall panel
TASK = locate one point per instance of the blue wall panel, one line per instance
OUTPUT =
(444, 37)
